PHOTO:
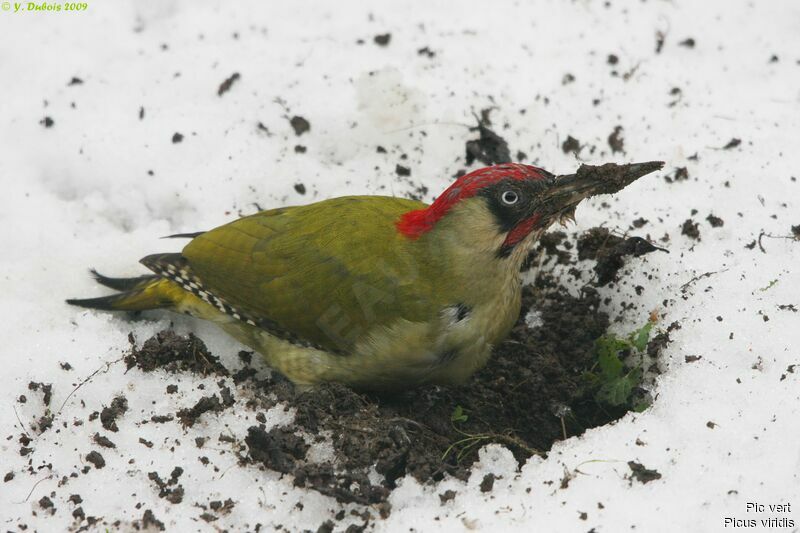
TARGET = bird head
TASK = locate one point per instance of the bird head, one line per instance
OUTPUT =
(516, 203)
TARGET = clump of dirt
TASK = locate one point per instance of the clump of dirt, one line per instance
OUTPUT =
(96, 459)
(616, 141)
(300, 125)
(680, 174)
(206, 404)
(733, 143)
(382, 39)
(226, 85)
(109, 414)
(149, 522)
(642, 474)
(548, 244)
(609, 250)
(691, 229)
(172, 352)
(571, 144)
(170, 490)
(277, 449)
(489, 148)
(45, 388)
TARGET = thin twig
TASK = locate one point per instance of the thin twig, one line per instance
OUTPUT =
(20, 421)
(698, 278)
(34, 488)
(107, 366)
(771, 236)
(409, 422)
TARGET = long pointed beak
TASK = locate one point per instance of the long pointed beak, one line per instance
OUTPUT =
(568, 190)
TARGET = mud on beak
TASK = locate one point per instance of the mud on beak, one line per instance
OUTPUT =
(566, 192)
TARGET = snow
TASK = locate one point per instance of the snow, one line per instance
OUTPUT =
(723, 430)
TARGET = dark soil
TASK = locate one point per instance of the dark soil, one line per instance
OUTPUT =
(169, 490)
(300, 125)
(489, 148)
(45, 388)
(206, 404)
(715, 221)
(226, 85)
(642, 474)
(96, 459)
(615, 140)
(571, 144)
(103, 441)
(691, 229)
(609, 251)
(150, 522)
(680, 174)
(733, 143)
(109, 415)
(171, 352)
(383, 39)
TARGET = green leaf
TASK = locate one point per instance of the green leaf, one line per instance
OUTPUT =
(458, 415)
(768, 287)
(639, 338)
(618, 391)
(608, 348)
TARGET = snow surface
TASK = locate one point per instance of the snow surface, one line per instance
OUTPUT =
(723, 430)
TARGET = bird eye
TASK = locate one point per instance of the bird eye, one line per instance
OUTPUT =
(510, 197)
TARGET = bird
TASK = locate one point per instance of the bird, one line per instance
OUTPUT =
(374, 292)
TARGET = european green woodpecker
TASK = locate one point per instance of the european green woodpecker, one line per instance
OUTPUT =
(371, 291)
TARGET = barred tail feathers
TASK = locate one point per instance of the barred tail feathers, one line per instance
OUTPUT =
(173, 285)
(143, 294)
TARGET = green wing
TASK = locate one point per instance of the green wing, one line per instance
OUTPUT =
(327, 272)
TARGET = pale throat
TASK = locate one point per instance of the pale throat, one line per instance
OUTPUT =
(473, 239)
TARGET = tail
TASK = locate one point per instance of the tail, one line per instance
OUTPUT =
(138, 294)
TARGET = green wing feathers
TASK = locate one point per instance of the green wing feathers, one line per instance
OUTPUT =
(292, 267)
(325, 273)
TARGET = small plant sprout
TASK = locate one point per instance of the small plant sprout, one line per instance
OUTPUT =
(614, 381)
(458, 415)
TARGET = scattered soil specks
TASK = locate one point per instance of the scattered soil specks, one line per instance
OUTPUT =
(489, 148)
(616, 141)
(96, 459)
(691, 229)
(300, 125)
(383, 39)
(172, 352)
(571, 145)
(609, 250)
(642, 474)
(109, 415)
(226, 85)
